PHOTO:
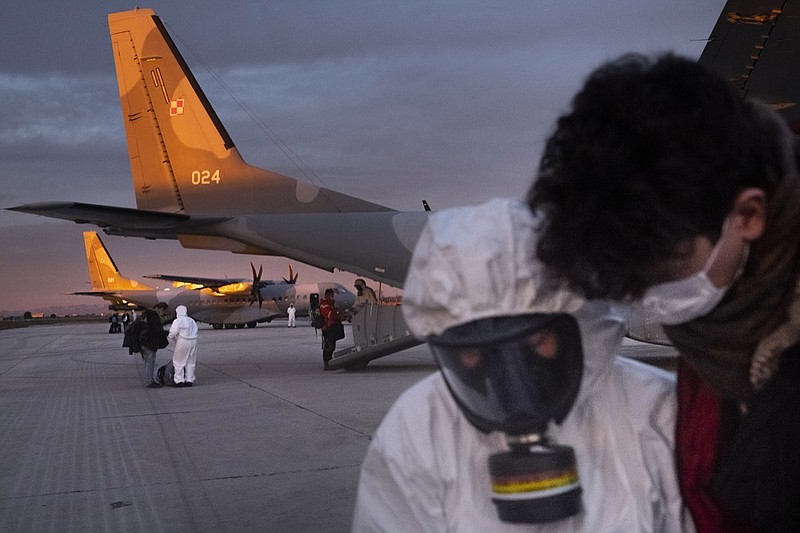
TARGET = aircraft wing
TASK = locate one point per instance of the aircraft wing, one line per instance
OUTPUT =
(197, 283)
(129, 222)
(756, 46)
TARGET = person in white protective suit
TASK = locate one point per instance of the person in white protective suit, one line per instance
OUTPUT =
(292, 312)
(365, 295)
(183, 333)
(528, 373)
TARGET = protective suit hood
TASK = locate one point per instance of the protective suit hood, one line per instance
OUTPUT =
(181, 310)
(480, 261)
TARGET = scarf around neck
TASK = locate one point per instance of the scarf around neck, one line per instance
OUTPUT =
(737, 346)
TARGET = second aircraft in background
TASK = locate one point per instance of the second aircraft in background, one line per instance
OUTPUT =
(220, 302)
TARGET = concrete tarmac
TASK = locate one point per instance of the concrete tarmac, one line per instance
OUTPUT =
(264, 441)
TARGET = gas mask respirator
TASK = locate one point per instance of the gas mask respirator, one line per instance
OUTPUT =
(515, 374)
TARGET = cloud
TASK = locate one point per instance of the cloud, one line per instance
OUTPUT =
(57, 116)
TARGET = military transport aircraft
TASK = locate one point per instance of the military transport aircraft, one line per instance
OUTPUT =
(192, 185)
(225, 303)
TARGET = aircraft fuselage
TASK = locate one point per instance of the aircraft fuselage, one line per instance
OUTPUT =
(206, 306)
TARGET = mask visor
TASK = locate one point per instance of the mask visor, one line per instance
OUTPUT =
(512, 374)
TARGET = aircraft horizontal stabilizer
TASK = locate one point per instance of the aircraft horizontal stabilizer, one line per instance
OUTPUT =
(103, 294)
(132, 222)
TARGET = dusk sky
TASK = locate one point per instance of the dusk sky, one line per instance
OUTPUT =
(394, 102)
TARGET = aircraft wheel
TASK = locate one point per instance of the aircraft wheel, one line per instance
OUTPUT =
(216, 326)
(230, 326)
(239, 326)
(251, 324)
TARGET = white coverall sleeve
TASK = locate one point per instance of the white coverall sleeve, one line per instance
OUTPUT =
(400, 489)
(174, 329)
(394, 497)
(653, 404)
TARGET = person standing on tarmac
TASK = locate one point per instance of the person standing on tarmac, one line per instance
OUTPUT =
(183, 332)
(333, 320)
(291, 311)
(152, 337)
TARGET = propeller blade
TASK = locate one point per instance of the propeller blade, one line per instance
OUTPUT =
(292, 276)
(256, 285)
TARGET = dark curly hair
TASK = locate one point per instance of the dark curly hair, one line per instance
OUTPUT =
(651, 155)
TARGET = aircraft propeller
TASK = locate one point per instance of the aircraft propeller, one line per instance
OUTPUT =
(256, 285)
(292, 276)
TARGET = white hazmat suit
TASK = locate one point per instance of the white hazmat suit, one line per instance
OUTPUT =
(427, 466)
(183, 334)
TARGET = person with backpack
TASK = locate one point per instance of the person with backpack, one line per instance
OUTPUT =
(114, 320)
(147, 334)
(332, 328)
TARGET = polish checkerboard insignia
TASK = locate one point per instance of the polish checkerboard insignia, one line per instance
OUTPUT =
(176, 107)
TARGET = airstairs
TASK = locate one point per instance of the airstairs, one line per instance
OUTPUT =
(378, 330)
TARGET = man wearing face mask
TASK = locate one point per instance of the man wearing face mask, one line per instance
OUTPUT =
(531, 423)
(662, 185)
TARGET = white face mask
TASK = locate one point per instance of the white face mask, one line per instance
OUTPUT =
(676, 302)
(683, 300)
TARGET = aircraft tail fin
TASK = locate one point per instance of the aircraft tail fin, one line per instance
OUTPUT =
(103, 273)
(182, 158)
